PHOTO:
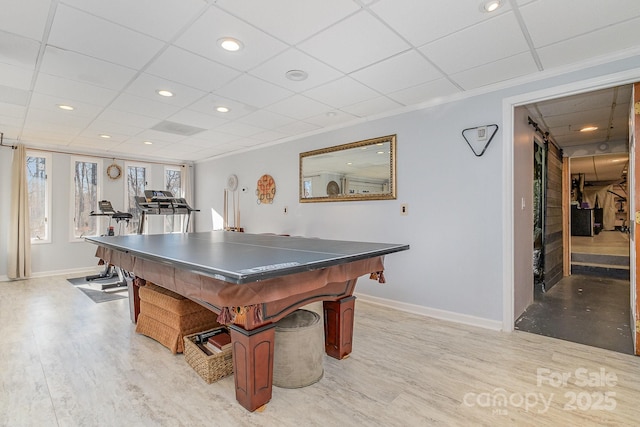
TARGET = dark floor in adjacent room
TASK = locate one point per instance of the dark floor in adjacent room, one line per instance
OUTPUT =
(584, 309)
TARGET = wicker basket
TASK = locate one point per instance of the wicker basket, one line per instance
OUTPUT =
(210, 368)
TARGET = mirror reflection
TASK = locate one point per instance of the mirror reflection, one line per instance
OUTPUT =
(363, 170)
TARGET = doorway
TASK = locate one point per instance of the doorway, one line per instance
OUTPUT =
(591, 304)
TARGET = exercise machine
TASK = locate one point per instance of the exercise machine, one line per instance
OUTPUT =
(157, 202)
(110, 271)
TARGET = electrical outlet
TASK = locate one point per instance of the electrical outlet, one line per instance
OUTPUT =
(404, 209)
(482, 133)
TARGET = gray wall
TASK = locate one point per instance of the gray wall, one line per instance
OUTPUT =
(456, 214)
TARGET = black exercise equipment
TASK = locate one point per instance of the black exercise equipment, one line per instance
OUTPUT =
(158, 202)
(110, 271)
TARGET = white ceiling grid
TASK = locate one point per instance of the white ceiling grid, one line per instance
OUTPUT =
(363, 58)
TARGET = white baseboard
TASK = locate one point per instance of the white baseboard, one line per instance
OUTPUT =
(41, 274)
(451, 316)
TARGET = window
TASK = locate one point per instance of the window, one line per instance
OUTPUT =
(173, 183)
(39, 186)
(85, 195)
(136, 183)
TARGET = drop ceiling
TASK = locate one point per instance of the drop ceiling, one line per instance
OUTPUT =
(364, 58)
(607, 111)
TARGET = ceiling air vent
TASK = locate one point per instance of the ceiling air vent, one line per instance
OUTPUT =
(177, 128)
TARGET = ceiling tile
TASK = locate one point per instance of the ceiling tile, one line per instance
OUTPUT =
(399, 72)
(371, 107)
(16, 77)
(202, 143)
(426, 91)
(299, 107)
(74, 66)
(94, 143)
(187, 152)
(239, 129)
(311, 16)
(73, 90)
(202, 36)
(50, 136)
(117, 131)
(197, 119)
(200, 73)
(341, 92)
(422, 21)
(275, 70)
(50, 103)
(471, 45)
(158, 18)
(18, 51)
(266, 119)
(209, 103)
(497, 71)
(592, 44)
(253, 91)
(355, 43)
(580, 102)
(12, 111)
(11, 95)
(213, 138)
(158, 137)
(143, 106)
(578, 119)
(547, 20)
(113, 115)
(328, 120)
(61, 122)
(268, 136)
(147, 86)
(297, 128)
(80, 32)
(25, 17)
(138, 147)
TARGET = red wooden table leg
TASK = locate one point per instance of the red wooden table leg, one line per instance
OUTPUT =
(338, 326)
(253, 364)
(133, 289)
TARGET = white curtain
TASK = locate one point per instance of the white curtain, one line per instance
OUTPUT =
(19, 259)
(187, 176)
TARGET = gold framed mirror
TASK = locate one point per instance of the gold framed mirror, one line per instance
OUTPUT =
(362, 170)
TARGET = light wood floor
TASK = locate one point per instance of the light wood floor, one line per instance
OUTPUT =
(66, 361)
(604, 243)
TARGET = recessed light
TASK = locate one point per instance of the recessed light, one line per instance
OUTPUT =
(148, 142)
(589, 128)
(65, 107)
(296, 75)
(332, 114)
(349, 163)
(105, 136)
(230, 44)
(380, 152)
(491, 5)
(164, 92)
(222, 109)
